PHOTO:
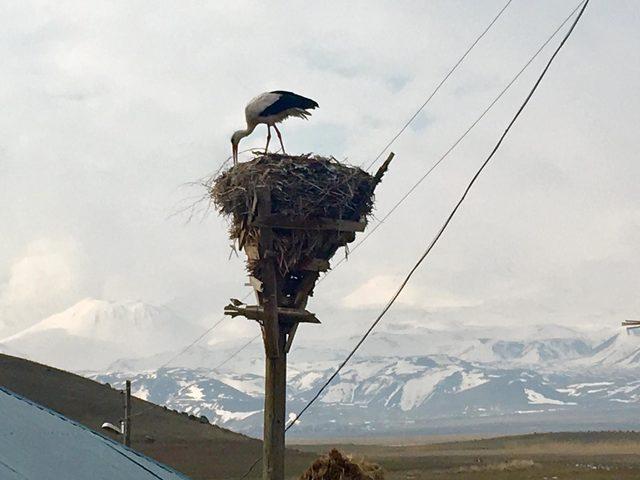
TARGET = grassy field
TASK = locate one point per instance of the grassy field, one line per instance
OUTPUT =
(579, 456)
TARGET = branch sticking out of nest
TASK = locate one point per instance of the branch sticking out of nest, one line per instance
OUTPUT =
(306, 187)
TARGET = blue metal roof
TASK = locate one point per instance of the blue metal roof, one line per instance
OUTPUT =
(37, 443)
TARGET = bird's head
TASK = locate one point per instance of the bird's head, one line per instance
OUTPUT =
(235, 141)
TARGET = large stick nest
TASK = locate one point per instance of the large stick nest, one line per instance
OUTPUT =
(336, 466)
(302, 187)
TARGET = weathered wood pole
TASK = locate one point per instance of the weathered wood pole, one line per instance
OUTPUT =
(274, 338)
(274, 414)
(126, 431)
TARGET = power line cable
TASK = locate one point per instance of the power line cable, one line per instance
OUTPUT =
(189, 346)
(455, 144)
(433, 93)
(200, 337)
(230, 357)
(210, 329)
(444, 226)
(221, 364)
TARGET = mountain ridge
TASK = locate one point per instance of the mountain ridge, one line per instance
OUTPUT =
(405, 373)
(99, 332)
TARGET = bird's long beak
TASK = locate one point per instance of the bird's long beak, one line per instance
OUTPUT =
(235, 153)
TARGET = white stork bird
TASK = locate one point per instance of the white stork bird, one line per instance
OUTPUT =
(271, 108)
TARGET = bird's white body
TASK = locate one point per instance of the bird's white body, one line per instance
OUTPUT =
(259, 104)
(271, 108)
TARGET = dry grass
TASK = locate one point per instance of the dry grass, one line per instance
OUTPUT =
(506, 466)
(336, 466)
(566, 456)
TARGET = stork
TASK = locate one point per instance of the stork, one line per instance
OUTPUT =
(271, 108)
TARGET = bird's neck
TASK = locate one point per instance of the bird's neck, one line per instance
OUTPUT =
(246, 132)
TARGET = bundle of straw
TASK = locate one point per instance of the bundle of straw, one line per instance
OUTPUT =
(336, 466)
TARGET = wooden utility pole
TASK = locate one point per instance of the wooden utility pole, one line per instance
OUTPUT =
(275, 358)
(126, 425)
(274, 413)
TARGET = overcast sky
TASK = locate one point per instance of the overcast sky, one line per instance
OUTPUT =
(109, 108)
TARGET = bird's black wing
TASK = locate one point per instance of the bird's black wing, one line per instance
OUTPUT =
(286, 101)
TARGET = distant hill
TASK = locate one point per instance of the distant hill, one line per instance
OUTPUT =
(418, 395)
(566, 455)
(482, 380)
(200, 450)
(412, 374)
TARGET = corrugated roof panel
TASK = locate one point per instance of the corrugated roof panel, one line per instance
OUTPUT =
(39, 444)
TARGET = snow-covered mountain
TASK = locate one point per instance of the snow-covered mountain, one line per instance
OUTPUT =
(538, 347)
(388, 395)
(92, 334)
(621, 350)
(520, 351)
(406, 378)
(417, 380)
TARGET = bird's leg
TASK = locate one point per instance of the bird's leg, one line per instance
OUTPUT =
(280, 137)
(266, 149)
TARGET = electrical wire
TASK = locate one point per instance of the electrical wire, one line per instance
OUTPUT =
(188, 347)
(433, 93)
(183, 387)
(230, 357)
(210, 329)
(444, 226)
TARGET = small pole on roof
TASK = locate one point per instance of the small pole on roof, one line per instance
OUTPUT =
(126, 425)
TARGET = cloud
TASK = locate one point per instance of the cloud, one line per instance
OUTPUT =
(45, 278)
(378, 290)
(109, 108)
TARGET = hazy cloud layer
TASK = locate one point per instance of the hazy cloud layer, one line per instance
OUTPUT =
(110, 107)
